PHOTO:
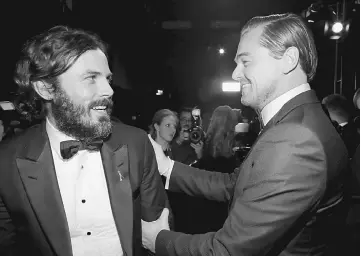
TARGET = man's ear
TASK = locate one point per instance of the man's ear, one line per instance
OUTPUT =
(290, 59)
(43, 89)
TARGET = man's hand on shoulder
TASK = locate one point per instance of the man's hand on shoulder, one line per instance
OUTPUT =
(151, 229)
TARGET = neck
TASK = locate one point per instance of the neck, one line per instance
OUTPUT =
(287, 83)
(164, 144)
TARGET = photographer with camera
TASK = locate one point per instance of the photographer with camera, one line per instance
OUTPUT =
(187, 148)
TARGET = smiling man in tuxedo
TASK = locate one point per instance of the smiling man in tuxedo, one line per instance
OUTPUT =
(288, 193)
(78, 183)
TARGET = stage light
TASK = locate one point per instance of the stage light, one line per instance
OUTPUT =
(159, 92)
(221, 51)
(337, 27)
(231, 87)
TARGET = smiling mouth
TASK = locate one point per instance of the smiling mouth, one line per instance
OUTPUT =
(100, 109)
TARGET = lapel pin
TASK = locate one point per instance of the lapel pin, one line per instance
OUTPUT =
(120, 175)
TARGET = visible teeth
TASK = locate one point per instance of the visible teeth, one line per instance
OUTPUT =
(99, 107)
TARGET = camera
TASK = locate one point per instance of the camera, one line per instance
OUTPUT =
(196, 133)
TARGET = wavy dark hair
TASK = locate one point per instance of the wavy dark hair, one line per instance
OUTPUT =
(158, 118)
(220, 133)
(44, 58)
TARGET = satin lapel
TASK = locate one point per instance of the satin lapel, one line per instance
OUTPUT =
(116, 168)
(41, 185)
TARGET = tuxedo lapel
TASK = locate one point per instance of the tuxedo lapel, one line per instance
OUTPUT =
(36, 168)
(116, 168)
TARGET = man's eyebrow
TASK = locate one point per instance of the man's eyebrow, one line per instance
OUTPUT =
(240, 55)
(92, 72)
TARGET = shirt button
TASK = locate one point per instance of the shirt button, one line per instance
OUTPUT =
(82, 167)
(88, 233)
(83, 201)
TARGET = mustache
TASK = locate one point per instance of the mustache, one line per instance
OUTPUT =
(107, 102)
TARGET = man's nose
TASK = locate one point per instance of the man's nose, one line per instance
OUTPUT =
(105, 89)
(237, 73)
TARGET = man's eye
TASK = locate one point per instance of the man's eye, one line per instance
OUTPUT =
(93, 77)
(245, 63)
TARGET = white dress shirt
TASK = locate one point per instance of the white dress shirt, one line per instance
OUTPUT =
(267, 114)
(84, 193)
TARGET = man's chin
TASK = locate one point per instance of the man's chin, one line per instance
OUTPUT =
(104, 129)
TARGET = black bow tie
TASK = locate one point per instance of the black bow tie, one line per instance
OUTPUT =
(70, 147)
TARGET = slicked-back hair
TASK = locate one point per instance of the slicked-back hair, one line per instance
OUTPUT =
(45, 57)
(281, 31)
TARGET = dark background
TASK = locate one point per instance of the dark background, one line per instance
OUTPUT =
(147, 55)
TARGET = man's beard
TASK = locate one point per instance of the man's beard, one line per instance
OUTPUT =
(75, 120)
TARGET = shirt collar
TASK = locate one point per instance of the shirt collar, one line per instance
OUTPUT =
(274, 106)
(343, 124)
(55, 137)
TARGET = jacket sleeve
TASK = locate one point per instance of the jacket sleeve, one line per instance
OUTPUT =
(216, 186)
(287, 180)
(153, 194)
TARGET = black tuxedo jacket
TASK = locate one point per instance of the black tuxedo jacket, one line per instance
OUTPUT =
(32, 216)
(286, 198)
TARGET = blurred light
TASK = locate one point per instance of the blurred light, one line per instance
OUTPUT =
(310, 21)
(337, 27)
(159, 92)
(231, 87)
(221, 51)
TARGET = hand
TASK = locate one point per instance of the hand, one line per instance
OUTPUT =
(198, 148)
(151, 229)
(164, 163)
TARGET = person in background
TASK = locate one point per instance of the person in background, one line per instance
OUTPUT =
(185, 116)
(77, 183)
(289, 191)
(218, 155)
(163, 128)
(182, 149)
(356, 99)
(161, 133)
(339, 110)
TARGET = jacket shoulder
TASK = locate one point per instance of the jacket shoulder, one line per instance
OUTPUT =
(127, 132)
(21, 140)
